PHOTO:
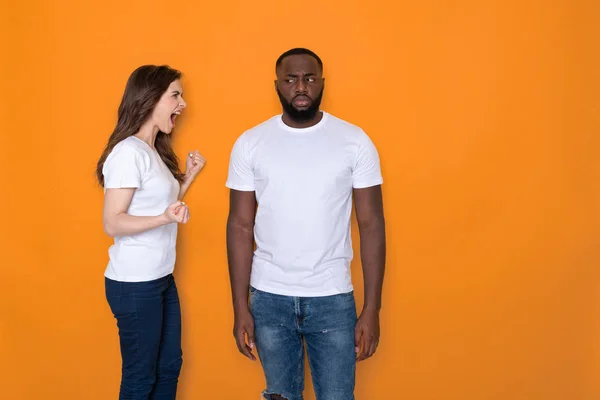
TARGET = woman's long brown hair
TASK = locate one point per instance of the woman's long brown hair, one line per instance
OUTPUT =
(144, 89)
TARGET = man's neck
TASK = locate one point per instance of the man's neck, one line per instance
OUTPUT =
(304, 124)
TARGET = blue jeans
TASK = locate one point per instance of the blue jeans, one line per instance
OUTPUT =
(283, 324)
(149, 321)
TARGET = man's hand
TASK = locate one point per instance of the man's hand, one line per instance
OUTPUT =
(243, 329)
(366, 334)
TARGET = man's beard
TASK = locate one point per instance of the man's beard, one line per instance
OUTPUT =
(301, 116)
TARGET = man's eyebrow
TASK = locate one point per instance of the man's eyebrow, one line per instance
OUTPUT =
(296, 75)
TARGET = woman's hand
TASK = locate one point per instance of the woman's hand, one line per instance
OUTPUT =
(177, 212)
(194, 163)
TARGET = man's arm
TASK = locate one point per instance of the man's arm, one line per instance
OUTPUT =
(240, 248)
(371, 225)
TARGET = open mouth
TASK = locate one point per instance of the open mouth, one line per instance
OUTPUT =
(173, 116)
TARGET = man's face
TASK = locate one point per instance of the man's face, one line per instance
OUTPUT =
(300, 86)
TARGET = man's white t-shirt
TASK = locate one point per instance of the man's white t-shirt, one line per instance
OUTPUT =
(147, 255)
(303, 181)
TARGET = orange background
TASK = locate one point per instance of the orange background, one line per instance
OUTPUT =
(486, 116)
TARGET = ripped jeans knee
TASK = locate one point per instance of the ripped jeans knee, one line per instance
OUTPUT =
(273, 396)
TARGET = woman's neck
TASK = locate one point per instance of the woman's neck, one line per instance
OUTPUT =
(148, 133)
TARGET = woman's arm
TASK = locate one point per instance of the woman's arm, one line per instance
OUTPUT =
(117, 222)
(194, 163)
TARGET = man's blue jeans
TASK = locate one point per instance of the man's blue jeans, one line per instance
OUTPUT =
(283, 325)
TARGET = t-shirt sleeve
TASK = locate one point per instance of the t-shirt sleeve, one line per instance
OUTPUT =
(124, 168)
(367, 171)
(241, 175)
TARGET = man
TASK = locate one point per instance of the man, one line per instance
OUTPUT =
(292, 179)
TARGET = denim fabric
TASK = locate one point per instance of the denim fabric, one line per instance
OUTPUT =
(149, 321)
(283, 325)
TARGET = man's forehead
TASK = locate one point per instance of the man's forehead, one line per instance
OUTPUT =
(299, 63)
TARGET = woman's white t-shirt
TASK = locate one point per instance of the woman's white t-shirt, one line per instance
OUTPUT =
(151, 254)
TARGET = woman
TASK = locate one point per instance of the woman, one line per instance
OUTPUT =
(143, 192)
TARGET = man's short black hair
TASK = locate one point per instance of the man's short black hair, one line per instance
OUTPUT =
(298, 51)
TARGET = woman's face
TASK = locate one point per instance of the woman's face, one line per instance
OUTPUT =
(169, 107)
